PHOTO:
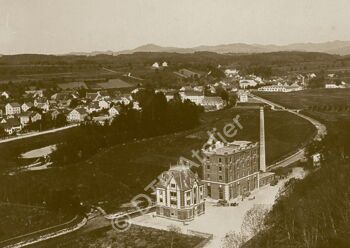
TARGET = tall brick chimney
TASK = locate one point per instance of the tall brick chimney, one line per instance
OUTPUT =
(262, 141)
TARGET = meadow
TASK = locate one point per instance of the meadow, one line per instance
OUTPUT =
(326, 105)
(115, 174)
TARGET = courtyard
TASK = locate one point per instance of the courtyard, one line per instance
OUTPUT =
(220, 220)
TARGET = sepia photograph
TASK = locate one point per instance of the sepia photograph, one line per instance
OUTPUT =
(175, 124)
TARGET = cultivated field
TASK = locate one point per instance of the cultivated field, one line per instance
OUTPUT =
(327, 105)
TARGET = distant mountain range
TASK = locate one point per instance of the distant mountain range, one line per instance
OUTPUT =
(332, 47)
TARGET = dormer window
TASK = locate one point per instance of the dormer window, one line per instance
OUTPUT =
(173, 185)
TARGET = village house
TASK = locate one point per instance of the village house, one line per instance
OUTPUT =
(26, 106)
(92, 96)
(155, 65)
(12, 108)
(180, 194)
(194, 96)
(113, 111)
(5, 94)
(103, 104)
(11, 125)
(246, 83)
(42, 103)
(93, 107)
(34, 93)
(29, 116)
(213, 102)
(77, 115)
(242, 96)
(54, 113)
(231, 72)
(187, 73)
(102, 120)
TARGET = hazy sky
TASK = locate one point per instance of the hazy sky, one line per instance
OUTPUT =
(61, 26)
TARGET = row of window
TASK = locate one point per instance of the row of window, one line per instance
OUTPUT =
(230, 167)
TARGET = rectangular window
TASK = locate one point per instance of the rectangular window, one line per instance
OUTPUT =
(209, 191)
(219, 160)
(220, 168)
(173, 202)
(208, 167)
(172, 193)
(160, 199)
(220, 178)
(208, 176)
(188, 202)
(173, 185)
(188, 194)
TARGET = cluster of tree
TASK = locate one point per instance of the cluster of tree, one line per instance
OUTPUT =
(315, 211)
(47, 122)
(317, 82)
(157, 117)
(261, 71)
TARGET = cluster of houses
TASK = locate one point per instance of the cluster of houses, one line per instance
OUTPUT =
(100, 107)
(196, 95)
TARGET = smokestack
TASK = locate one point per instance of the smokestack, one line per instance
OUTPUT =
(262, 141)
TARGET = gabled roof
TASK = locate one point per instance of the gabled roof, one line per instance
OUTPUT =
(29, 104)
(212, 99)
(183, 176)
(193, 93)
(13, 122)
(81, 111)
(14, 104)
(91, 96)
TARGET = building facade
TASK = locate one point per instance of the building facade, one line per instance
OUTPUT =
(230, 170)
(180, 194)
(12, 108)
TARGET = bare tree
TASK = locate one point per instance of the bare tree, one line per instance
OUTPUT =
(254, 220)
(234, 240)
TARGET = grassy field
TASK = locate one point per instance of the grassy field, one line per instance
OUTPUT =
(116, 174)
(11, 150)
(136, 236)
(16, 220)
(327, 105)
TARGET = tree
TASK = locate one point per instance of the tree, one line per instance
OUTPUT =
(254, 220)
(234, 240)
